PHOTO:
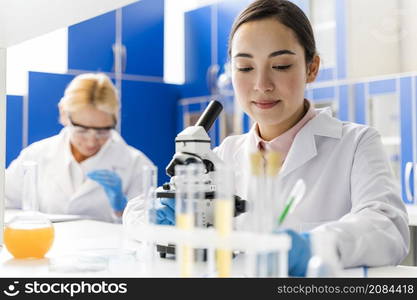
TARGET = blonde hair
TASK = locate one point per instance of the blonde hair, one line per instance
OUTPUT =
(90, 89)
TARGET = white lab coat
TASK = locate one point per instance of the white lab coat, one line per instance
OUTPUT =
(350, 189)
(58, 192)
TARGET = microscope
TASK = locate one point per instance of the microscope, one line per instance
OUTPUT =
(192, 146)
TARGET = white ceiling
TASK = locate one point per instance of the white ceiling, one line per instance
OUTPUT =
(21, 20)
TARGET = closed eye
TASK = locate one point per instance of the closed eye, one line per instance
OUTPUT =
(282, 67)
(245, 69)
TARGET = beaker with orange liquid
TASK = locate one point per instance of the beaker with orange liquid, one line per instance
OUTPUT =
(29, 234)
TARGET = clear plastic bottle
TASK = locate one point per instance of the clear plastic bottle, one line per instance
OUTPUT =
(325, 261)
(29, 234)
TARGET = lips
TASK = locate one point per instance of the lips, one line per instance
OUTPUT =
(266, 104)
(90, 150)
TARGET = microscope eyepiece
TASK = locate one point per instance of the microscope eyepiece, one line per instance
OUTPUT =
(210, 115)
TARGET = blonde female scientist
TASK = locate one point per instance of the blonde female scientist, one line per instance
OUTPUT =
(87, 169)
(350, 190)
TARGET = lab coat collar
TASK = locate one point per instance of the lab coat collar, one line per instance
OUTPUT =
(325, 125)
(304, 146)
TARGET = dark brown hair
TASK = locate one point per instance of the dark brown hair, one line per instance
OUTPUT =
(286, 13)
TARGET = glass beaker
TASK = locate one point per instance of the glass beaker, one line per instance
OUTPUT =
(29, 234)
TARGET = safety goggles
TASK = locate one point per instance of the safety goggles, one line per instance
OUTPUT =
(85, 131)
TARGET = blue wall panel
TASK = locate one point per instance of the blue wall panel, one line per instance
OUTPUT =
(90, 44)
(45, 91)
(143, 36)
(14, 127)
(343, 103)
(149, 120)
(246, 123)
(227, 11)
(325, 74)
(341, 39)
(303, 4)
(360, 103)
(199, 47)
(406, 128)
(215, 134)
(323, 93)
(382, 86)
(180, 118)
(196, 107)
(197, 51)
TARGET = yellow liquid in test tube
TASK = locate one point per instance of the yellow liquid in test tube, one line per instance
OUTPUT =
(185, 222)
(223, 214)
(28, 243)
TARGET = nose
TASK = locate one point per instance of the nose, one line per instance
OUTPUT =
(91, 139)
(264, 82)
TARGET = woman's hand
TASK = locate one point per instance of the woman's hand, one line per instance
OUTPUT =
(112, 185)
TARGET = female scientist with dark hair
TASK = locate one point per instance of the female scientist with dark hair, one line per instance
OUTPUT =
(351, 192)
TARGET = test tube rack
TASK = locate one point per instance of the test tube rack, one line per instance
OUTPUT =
(247, 242)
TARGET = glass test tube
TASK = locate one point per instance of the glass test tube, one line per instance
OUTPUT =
(30, 197)
(186, 194)
(253, 215)
(223, 217)
(148, 190)
(273, 166)
(260, 210)
(256, 192)
(147, 249)
(264, 169)
(200, 211)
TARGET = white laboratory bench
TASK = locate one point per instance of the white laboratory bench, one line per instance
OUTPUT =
(74, 237)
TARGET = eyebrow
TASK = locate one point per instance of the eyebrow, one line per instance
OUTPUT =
(273, 54)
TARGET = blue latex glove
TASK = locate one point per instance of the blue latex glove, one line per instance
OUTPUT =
(300, 253)
(112, 185)
(165, 215)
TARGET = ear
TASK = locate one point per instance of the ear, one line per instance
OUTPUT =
(313, 69)
(63, 116)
